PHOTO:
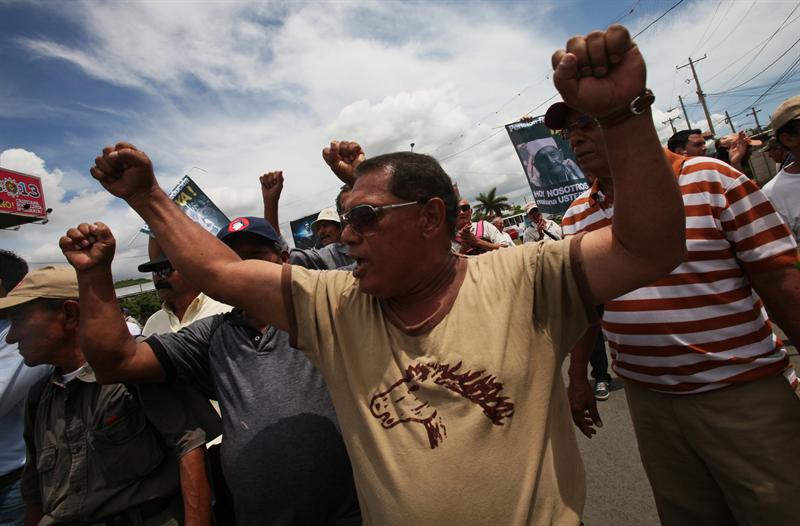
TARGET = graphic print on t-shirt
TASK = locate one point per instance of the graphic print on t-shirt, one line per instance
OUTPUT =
(399, 403)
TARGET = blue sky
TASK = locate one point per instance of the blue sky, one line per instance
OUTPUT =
(239, 89)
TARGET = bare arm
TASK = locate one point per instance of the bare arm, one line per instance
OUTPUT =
(581, 398)
(271, 188)
(195, 488)
(780, 291)
(599, 75)
(205, 261)
(104, 337)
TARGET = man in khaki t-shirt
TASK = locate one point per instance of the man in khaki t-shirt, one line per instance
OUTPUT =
(436, 411)
(445, 374)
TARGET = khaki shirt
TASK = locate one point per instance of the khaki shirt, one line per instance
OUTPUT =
(93, 453)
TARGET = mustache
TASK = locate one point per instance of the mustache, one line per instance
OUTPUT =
(163, 285)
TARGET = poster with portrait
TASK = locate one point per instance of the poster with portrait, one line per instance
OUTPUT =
(197, 205)
(302, 233)
(549, 165)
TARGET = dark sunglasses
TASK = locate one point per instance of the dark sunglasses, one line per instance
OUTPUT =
(583, 123)
(363, 219)
(163, 273)
(465, 208)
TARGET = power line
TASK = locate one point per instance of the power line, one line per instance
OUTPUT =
(651, 24)
(721, 20)
(769, 39)
(706, 29)
(733, 31)
(760, 72)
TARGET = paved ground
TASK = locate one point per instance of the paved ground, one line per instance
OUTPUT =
(618, 490)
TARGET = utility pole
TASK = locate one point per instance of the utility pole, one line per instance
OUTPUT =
(754, 111)
(669, 120)
(700, 95)
(685, 115)
(729, 122)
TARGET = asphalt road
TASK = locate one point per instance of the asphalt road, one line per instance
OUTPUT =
(618, 492)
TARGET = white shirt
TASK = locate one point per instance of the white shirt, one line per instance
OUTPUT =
(165, 320)
(784, 192)
(532, 235)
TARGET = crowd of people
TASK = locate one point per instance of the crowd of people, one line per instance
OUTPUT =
(409, 369)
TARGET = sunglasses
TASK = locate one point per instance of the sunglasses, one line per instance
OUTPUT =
(465, 208)
(163, 273)
(363, 219)
(583, 123)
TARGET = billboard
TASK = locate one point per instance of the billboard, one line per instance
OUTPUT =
(21, 199)
(302, 234)
(197, 205)
(549, 165)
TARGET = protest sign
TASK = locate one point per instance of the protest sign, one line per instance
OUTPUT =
(549, 165)
(197, 205)
(21, 199)
(302, 233)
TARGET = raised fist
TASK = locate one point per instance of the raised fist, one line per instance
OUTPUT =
(343, 158)
(87, 246)
(600, 72)
(271, 186)
(124, 171)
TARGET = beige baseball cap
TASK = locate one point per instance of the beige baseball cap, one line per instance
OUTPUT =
(46, 282)
(327, 214)
(788, 110)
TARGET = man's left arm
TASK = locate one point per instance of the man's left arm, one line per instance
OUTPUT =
(195, 488)
(601, 75)
(780, 292)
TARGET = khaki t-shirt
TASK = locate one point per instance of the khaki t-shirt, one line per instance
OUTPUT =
(468, 422)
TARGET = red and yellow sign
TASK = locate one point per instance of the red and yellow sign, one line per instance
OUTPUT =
(21, 199)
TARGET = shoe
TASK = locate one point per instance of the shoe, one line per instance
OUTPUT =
(601, 391)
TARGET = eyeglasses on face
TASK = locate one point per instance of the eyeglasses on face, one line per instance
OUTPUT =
(464, 208)
(583, 123)
(163, 273)
(363, 219)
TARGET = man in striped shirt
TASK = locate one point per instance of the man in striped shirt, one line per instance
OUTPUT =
(716, 421)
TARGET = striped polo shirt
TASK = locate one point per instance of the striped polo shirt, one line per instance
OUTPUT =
(702, 327)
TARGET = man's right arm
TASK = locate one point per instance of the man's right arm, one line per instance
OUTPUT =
(206, 262)
(104, 337)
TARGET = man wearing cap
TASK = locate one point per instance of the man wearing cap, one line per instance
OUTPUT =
(426, 390)
(16, 379)
(475, 237)
(182, 302)
(779, 155)
(332, 255)
(540, 229)
(784, 189)
(282, 454)
(709, 385)
(95, 454)
(327, 226)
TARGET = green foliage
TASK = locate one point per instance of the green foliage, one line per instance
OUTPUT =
(128, 282)
(492, 204)
(516, 209)
(142, 306)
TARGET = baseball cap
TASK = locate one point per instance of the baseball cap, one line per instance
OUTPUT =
(531, 206)
(555, 117)
(786, 111)
(46, 282)
(327, 214)
(256, 226)
(158, 263)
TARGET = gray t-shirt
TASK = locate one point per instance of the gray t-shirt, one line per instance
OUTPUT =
(282, 451)
(329, 257)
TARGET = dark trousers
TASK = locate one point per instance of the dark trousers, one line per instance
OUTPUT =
(599, 361)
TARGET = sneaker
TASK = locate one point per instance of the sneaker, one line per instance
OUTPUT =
(601, 391)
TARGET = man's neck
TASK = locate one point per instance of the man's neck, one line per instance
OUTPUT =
(793, 167)
(180, 307)
(421, 302)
